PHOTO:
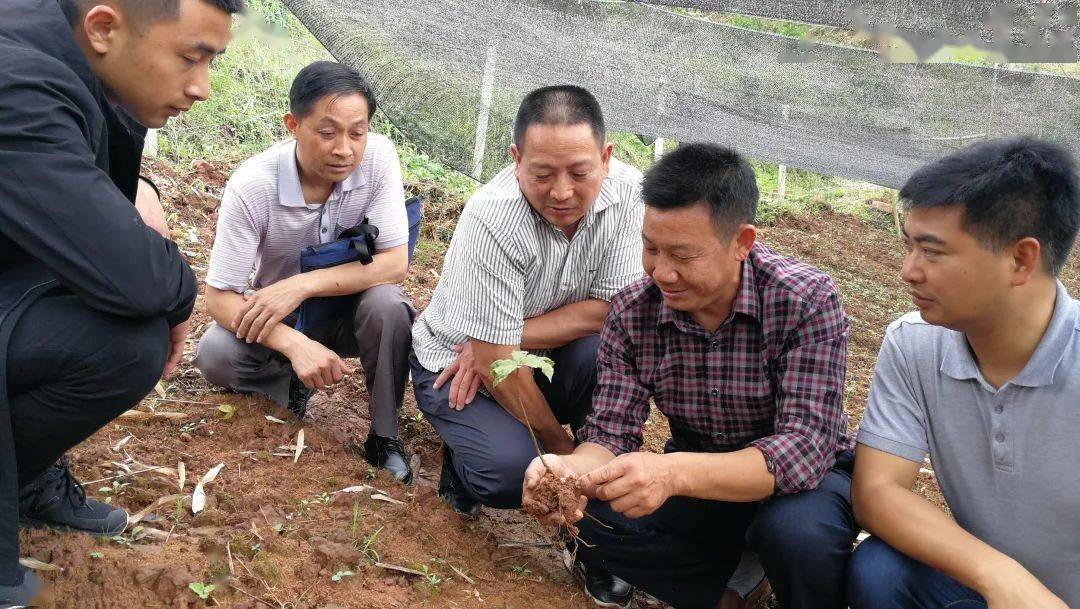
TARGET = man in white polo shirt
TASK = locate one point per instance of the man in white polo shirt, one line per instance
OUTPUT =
(984, 377)
(301, 193)
(537, 254)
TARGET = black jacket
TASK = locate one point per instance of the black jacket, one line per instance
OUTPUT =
(69, 166)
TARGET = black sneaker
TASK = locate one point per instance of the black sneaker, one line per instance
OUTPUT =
(452, 492)
(26, 594)
(299, 395)
(55, 499)
(388, 454)
(603, 588)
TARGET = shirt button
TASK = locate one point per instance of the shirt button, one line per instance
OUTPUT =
(1000, 437)
(719, 435)
(324, 231)
(715, 345)
(999, 409)
(715, 392)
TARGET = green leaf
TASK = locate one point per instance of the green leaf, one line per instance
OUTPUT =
(96, 555)
(503, 368)
(227, 411)
(201, 589)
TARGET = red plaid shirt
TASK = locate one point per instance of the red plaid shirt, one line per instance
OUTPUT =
(771, 376)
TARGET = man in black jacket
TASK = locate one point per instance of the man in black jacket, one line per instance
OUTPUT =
(94, 301)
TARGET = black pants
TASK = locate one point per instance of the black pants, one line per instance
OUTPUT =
(490, 448)
(685, 552)
(71, 370)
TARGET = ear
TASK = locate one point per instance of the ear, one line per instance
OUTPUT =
(290, 123)
(101, 25)
(1026, 260)
(515, 153)
(744, 240)
(605, 153)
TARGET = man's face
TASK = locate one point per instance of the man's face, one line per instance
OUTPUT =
(684, 254)
(331, 138)
(954, 280)
(560, 171)
(157, 70)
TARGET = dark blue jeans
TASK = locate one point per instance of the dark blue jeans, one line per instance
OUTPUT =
(685, 552)
(882, 578)
(489, 448)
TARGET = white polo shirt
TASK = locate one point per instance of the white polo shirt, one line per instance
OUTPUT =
(264, 221)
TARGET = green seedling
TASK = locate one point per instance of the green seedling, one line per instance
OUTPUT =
(202, 590)
(368, 547)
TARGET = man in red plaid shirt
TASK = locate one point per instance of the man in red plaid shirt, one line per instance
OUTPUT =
(744, 351)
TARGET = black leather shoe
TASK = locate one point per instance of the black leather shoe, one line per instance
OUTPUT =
(55, 499)
(299, 395)
(453, 492)
(388, 454)
(603, 588)
(26, 594)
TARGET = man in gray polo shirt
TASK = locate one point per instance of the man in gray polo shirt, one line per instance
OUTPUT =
(300, 193)
(537, 254)
(984, 378)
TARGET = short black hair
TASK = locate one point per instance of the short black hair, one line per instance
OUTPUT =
(706, 173)
(1009, 189)
(145, 11)
(323, 78)
(559, 105)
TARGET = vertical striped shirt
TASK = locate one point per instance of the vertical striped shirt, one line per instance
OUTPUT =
(507, 264)
(264, 220)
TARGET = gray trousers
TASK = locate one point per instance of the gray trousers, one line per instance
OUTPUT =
(378, 332)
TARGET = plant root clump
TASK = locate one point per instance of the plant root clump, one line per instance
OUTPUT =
(555, 495)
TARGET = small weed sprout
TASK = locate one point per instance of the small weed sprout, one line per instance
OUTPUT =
(202, 590)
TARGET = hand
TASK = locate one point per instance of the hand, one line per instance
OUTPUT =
(1017, 588)
(150, 210)
(177, 341)
(535, 472)
(635, 484)
(263, 310)
(315, 365)
(466, 381)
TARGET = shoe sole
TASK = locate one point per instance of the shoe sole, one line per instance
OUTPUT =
(31, 523)
(580, 579)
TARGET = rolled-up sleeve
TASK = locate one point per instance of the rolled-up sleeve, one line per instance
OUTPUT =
(620, 401)
(809, 410)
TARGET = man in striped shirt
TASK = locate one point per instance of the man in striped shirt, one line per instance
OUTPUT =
(300, 193)
(537, 254)
(744, 351)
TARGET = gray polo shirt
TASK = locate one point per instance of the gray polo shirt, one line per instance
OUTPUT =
(1008, 460)
(507, 264)
(264, 221)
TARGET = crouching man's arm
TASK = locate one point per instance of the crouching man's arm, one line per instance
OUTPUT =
(518, 393)
(886, 506)
(314, 364)
(264, 309)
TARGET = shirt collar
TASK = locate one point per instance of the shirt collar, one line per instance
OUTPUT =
(746, 301)
(959, 363)
(291, 194)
